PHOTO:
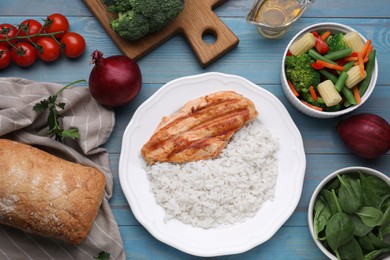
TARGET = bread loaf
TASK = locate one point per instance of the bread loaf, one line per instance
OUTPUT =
(44, 194)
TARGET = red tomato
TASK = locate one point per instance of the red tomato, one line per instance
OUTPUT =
(30, 27)
(24, 54)
(57, 23)
(7, 30)
(5, 57)
(74, 44)
(48, 49)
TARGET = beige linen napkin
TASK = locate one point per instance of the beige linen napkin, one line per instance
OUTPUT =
(18, 121)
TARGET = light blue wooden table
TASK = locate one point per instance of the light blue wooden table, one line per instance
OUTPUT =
(256, 59)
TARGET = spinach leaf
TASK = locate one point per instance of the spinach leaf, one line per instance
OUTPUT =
(334, 184)
(376, 254)
(374, 189)
(361, 229)
(328, 198)
(339, 230)
(321, 215)
(365, 243)
(377, 242)
(385, 228)
(350, 194)
(350, 250)
(370, 216)
(385, 203)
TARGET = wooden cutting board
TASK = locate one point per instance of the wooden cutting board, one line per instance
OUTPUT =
(196, 20)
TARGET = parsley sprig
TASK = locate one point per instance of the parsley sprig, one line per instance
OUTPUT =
(51, 104)
(103, 255)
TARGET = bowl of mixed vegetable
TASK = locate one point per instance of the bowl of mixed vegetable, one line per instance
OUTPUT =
(328, 70)
(349, 214)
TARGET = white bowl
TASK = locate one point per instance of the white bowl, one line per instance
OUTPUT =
(330, 177)
(333, 28)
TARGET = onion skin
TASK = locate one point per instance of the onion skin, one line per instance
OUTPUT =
(114, 81)
(366, 135)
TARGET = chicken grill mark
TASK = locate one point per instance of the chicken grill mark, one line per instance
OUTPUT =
(200, 130)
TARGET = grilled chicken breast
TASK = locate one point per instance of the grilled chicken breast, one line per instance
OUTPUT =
(200, 130)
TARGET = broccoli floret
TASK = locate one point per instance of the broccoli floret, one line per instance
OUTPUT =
(336, 42)
(309, 99)
(130, 25)
(118, 6)
(300, 72)
(319, 103)
(159, 12)
(156, 14)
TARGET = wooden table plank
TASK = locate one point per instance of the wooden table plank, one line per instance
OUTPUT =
(234, 8)
(256, 59)
(262, 66)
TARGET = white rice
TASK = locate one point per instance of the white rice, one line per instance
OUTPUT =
(221, 191)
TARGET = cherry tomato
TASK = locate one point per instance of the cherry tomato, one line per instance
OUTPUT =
(7, 30)
(74, 44)
(30, 27)
(24, 54)
(48, 49)
(5, 57)
(57, 23)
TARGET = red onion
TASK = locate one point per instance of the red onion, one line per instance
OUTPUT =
(114, 81)
(367, 135)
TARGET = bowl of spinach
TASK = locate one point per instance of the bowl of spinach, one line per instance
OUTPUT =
(349, 214)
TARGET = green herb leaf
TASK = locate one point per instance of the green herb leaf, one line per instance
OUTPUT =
(103, 255)
(41, 106)
(71, 133)
(53, 120)
(61, 105)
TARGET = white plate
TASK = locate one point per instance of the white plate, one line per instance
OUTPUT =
(224, 240)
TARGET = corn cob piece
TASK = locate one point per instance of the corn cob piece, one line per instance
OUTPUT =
(303, 44)
(354, 76)
(354, 41)
(329, 93)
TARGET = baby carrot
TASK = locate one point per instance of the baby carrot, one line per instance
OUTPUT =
(356, 94)
(313, 93)
(312, 106)
(325, 35)
(293, 89)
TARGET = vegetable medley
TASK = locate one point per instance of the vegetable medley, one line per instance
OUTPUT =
(330, 72)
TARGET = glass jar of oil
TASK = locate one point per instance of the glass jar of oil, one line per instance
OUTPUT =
(273, 17)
